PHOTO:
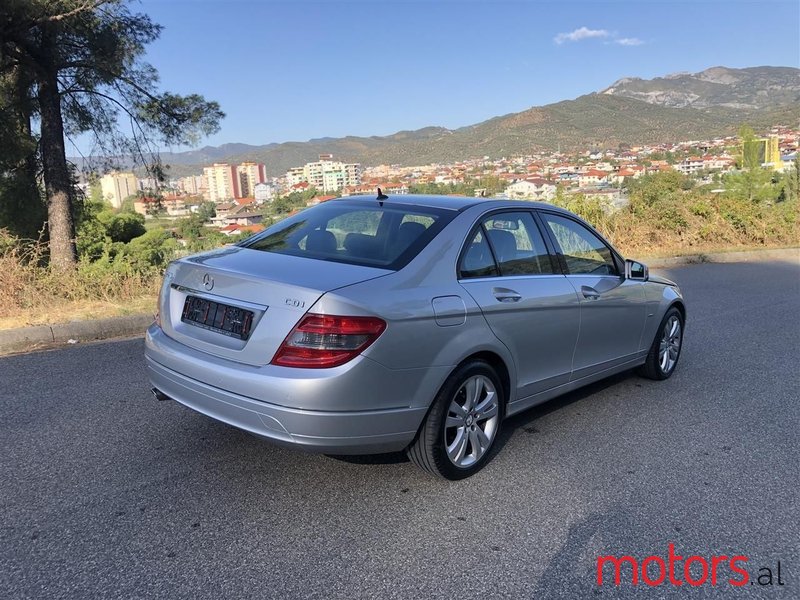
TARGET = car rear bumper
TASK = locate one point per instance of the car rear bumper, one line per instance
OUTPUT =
(336, 432)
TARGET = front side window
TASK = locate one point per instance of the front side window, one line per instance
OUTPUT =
(360, 233)
(584, 251)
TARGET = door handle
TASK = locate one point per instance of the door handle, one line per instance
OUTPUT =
(589, 292)
(506, 295)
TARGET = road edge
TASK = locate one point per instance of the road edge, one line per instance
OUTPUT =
(724, 257)
(42, 337)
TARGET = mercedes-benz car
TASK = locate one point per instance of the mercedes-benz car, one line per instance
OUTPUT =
(419, 323)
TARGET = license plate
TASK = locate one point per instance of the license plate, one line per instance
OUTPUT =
(228, 320)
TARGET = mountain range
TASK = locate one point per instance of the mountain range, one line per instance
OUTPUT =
(681, 106)
(755, 88)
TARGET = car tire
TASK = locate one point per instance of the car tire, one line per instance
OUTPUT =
(669, 339)
(459, 432)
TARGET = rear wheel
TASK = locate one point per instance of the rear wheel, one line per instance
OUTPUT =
(462, 425)
(666, 348)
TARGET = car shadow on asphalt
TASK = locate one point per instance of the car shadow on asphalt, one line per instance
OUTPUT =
(522, 421)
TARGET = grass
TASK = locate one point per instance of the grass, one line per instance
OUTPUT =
(694, 224)
(159, 222)
(32, 294)
(78, 310)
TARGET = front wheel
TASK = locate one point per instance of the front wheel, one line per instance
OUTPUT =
(462, 425)
(666, 348)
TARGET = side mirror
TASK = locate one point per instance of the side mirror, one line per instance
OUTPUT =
(636, 270)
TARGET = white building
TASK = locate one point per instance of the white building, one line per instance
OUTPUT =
(149, 184)
(531, 189)
(295, 175)
(263, 192)
(193, 184)
(117, 186)
(325, 174)
(690, 165)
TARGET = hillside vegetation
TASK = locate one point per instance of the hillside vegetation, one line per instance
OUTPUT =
(599, 120)
(632, 111)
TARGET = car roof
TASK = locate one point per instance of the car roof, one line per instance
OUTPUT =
(457, 203)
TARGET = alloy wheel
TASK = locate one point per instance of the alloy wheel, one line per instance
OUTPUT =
(472, 421)
(670, 345)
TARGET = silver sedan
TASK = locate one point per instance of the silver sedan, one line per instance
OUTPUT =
(413, 323)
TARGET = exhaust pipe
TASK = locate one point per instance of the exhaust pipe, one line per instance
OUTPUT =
(159, 395)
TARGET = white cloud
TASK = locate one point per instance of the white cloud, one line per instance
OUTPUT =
(582, 33)
(629, 41)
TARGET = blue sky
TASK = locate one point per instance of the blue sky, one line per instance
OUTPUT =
(296, 70)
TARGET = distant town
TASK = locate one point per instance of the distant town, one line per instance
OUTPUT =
(243, 194)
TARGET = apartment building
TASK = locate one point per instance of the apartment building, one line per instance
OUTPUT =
(294, 176)
(193, 184)
(117, 186)
(690, 165)
(250, 174)
(222, 181)
(149, 184)
(325, 174)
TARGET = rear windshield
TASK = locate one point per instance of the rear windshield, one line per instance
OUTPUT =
(359, 233)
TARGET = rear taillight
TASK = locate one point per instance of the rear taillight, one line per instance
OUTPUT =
(321, 341)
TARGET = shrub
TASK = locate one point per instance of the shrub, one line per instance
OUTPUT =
(27, 283)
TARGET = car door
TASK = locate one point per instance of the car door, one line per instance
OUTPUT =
(613, 309)
(529, 304)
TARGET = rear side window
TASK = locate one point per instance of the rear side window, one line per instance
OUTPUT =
(506, 244)
(478, 260)
(518, 245)
(357, 233)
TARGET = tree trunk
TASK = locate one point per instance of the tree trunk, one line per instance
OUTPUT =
(57, 180)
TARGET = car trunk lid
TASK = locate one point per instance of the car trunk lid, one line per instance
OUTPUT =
(272, 290)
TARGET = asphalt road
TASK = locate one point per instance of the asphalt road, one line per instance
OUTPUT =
(107, 493)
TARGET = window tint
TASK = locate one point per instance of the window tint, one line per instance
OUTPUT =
(584, 252)
(355, 233)
(517, 244)
(478, 260)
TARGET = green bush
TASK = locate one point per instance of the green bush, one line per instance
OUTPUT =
(700, 209)
(123, 226)
(589, 209)
(118, 242)
(150, 251)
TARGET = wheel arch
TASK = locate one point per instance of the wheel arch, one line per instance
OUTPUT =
(498, 364)
(495, 361)
(419, 450)
(681, 308)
